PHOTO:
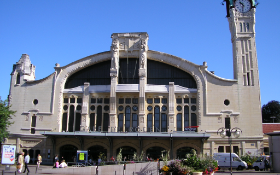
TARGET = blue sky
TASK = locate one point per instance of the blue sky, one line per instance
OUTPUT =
(63, 31)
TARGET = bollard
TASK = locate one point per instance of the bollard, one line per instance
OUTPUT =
(133, 172)
(36, 170)
(115, 172)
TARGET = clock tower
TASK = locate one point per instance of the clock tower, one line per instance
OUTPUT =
(241, 18)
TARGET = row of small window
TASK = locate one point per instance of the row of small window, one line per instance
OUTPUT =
(245, 27)
(79, 107)
(186, 100)
(179, 108)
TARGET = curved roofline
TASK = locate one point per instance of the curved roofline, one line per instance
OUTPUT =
(41, 80)
(100, 53)
(166, 54)
(220, 78)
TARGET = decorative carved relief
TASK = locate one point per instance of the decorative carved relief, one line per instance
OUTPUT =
(142, 120)
(171, 119)
(112, 119)
(219, 119)
(235, 119)
(115, 53)
(26, 117)
(40, 118)
(84, 118)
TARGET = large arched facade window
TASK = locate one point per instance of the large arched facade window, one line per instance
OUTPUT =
(97, 74)
(161, 74)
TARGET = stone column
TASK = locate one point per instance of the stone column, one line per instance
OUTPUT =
(18, 145)
(171, 113)
(85, 118)
(243, 148)
(142, 81)
(114, 76)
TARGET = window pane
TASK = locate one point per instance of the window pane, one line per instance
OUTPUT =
(220, 149)
(127, 118)
(99, 118)
(33, 122)
(178, 100)
(121, 100)
(163, 122)
(120, 123)
(79, 100)
(100, 100)
(193, 119)
(164, 100)
(157, 100)
(186, 100)
(135, 100)
(72, 100)
(105, 122)
(106, 100)
(134, 121)
(156, 119)
(78, 122)
(93, 100)
(179, 122)
(186, 117)
(193, 100)
(64, 122)
(149, 122)
(71, 119)
(92, 121)
(65, 100)
(149, 100)
(127, 100)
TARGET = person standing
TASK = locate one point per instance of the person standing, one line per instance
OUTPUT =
(39, 160)
(20, 161)
(26, 161)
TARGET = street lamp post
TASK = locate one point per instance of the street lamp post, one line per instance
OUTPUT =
(236, 132)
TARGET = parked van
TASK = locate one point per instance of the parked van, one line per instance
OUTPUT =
(224, 161)
(260, 163)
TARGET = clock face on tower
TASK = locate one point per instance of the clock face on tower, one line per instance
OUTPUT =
(243, 6)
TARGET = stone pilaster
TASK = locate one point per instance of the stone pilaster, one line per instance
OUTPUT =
(114, 77)
(85, 116)
(171, 101)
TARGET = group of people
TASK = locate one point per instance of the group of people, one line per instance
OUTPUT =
(63, 164)
(25, 161)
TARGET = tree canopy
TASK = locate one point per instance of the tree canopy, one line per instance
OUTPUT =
(5, 119)
(271, 109)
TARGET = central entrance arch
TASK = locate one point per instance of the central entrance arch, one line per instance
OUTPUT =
(68, 153)
(155, 152)
(127, 152)
(183, 151)
(95, 151)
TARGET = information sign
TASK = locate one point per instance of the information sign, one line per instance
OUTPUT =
(8, 154)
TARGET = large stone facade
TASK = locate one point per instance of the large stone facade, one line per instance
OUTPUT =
(127, 97)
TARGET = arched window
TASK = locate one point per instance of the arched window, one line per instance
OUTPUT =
(99, 118)
(127, 152)
(163, 122)
(159, 73)
(193, 119)
(18, 79)
(64, 122)
(150, 123)
(105, 121)
(134, 121)
(120, 122)
(156, 119)
(71, 119)
(78, 121)
(92, 122)
(97, 74)
(179, 122)
(127, 118)
(186, 117)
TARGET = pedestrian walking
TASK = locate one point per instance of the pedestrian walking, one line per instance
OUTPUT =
(26, 162)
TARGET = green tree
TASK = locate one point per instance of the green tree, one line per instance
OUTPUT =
(271, 109)
(5, 119)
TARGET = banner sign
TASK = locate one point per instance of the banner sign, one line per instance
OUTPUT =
(8, 154)
(191, 128)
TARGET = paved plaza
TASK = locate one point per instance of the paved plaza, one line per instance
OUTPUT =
(32, 169)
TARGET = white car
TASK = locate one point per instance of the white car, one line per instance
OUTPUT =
(259, 164)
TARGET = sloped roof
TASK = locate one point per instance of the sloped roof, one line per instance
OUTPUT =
(270, 127)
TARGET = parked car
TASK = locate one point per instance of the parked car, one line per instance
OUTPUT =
(259, 164)
(224, 161)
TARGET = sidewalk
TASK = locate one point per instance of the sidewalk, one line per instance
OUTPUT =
(32, 169)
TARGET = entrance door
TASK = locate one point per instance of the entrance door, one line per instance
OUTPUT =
(68, 153)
